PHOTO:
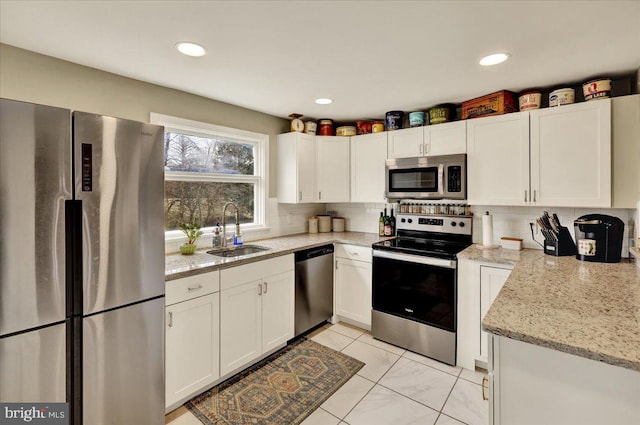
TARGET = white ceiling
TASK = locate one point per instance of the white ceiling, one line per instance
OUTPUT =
(368, 56)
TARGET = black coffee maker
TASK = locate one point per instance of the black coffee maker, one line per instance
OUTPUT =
(599, 238)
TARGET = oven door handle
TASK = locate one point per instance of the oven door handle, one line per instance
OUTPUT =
(430, 261)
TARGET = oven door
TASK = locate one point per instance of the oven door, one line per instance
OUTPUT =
(418, 288)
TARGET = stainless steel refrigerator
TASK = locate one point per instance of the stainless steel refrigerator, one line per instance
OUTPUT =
(82, 263)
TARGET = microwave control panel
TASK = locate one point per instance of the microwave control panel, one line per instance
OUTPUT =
(454, 178)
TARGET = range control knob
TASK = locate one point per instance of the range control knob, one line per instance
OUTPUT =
(453, 223)
(409, 220)
(461, 224)
(403, 220)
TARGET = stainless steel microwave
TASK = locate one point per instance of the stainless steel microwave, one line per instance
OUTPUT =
(427, 177)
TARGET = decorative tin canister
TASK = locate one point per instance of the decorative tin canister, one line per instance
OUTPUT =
(416, 119)
(564, 96)
(530, 100)
(377, 127)
(440, 114)
(326, 128)
(599, 88)
(310, 127)
(394, 120)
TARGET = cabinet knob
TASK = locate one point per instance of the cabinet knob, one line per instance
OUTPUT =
(194, 288)
(259, 289)
(170, 324)
(265, 287)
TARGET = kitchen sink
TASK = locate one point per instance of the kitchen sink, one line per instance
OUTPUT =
(237, 251)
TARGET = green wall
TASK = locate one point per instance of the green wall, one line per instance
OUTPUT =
(32, 77)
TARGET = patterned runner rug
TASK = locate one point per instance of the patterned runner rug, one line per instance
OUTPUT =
(282, 389)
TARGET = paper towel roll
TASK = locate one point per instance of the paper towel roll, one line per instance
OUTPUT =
(487, 229)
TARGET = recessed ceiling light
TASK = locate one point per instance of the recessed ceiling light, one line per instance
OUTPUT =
(190, 49)
(494, 59)
(323, 101)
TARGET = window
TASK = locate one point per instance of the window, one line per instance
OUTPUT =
(207, 166)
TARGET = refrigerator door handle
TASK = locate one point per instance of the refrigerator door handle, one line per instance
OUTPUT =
(73, 218)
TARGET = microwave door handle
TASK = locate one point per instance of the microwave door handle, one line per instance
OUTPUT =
(441, 179)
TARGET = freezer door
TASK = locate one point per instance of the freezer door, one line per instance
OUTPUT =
(35, 180)
(120, 181)
(123, 365)
(32, 366)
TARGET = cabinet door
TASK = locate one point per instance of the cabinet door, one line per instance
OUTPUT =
(353, 290)
(405, 143)
(445, 139)
(571, 155)
(192, 336)
(368, 156)
(625, 134)
(305, 157)
(296, 168)
(491, 281)
(498, 160)
(277, 310)
(240, 326)
(332, 163)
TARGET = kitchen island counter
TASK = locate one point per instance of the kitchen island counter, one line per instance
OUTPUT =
(178, 266)
(587, 309)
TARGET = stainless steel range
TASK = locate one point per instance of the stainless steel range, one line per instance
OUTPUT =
(415, 284)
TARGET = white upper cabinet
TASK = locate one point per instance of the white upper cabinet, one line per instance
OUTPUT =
(405, 143)
(332, 165)
(440, 139)
(296, 168)
(625, 133)
(571, 155)
(498, 160)
(548, 157)
(368, 156)
(445, 139)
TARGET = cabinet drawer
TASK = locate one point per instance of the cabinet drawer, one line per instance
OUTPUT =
(191, 287)
(353, 252)
(235, 276)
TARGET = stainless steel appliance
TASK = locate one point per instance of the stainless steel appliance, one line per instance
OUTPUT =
(82, 263)
(599, 238)
(415, 284)
(427, 177)
(314, 287)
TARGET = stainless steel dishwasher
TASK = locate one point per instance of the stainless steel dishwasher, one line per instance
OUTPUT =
(314, 287)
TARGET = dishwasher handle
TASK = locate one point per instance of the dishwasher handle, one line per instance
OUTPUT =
(310, 253)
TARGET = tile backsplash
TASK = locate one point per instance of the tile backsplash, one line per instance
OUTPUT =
(507, 221)
(514, 222)
(287, 219)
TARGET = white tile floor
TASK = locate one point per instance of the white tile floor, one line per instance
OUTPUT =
(395, 387)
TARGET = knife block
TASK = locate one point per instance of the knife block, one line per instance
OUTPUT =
(564, 246)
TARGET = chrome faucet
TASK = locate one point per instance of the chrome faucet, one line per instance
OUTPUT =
(224, 222)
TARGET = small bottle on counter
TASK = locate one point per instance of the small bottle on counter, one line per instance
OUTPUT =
(392, 224)
(381, 225)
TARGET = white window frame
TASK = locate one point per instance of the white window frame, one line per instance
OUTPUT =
(261, 159)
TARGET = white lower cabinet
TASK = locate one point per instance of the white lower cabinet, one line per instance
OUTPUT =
(492, 280)
(533, 385)
(353, 285)
(192, 338)
(478, 286)
(256, 310)
(240, 320)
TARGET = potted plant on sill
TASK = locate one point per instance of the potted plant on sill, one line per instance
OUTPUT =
(193, 233)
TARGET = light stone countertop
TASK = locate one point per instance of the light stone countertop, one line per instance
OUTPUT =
(588, 309)
(179, 266)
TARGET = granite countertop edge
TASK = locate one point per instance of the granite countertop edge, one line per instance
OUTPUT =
(201, 262)
(522, 303)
